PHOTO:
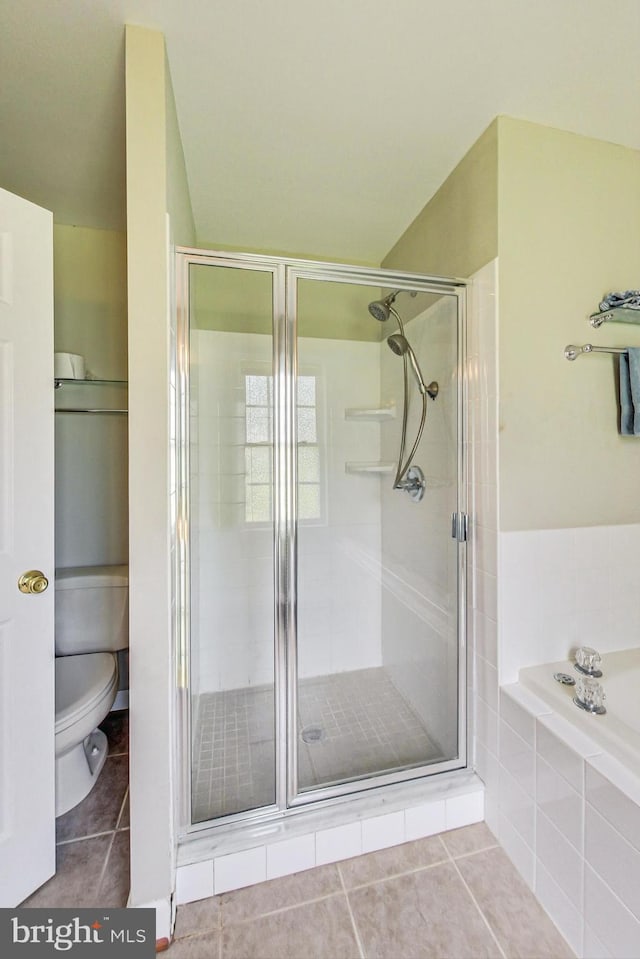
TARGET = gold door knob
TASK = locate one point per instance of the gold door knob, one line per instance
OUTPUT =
(33, 581)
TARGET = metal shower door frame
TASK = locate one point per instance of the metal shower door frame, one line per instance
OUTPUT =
(286, 274)
(338, 273)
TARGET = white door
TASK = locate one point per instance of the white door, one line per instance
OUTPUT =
(27, 710)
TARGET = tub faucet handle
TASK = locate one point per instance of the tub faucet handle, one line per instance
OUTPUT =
(588, 661)
(590, 696)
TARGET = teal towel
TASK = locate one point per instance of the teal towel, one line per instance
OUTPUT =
(630, 392)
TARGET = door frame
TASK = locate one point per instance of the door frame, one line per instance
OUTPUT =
(286, 274)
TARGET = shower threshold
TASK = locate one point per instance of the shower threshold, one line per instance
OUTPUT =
(229, 855)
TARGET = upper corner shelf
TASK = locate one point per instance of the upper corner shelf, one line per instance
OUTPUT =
(383, 413)
(619, 314)
(375, 467)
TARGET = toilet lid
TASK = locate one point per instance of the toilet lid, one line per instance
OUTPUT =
(80, 682)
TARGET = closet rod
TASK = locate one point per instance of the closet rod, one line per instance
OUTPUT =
(573, 352)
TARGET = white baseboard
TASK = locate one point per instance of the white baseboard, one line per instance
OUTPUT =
(165, 916)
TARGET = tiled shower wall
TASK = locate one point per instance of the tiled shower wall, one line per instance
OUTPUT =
(339, 556)
(410, 579)
(419, 558)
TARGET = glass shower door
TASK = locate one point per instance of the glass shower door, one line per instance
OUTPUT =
(230, 425)
(378, 632)
(320, 590)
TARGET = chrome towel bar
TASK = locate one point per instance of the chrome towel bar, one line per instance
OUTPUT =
(573, 352)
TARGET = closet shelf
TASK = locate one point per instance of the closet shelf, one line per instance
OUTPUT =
(619, 314)
(379, 414)
(93, 409)
(60, 382)
(376, 467)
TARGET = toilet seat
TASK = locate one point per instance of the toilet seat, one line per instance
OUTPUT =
(83, 683)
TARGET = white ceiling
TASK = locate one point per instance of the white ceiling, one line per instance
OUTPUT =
(317, 127)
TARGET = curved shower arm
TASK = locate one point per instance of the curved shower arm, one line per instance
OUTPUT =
(402, 470)
(399, 321)
(405, 405)
(431, 390)
(405, 409)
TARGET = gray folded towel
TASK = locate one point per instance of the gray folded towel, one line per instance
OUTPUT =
(630, 392)
(629, 299)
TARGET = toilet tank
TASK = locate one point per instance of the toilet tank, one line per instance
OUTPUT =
(91, 609)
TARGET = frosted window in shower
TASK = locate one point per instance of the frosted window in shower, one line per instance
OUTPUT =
(259, 449)
(308, 482)
(309, 503)
(258, 453)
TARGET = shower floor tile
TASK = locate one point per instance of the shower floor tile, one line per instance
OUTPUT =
(362, 723)
(234, 752)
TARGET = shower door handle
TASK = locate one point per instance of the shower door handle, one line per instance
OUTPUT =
(459, 526)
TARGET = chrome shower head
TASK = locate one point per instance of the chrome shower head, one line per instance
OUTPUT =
(380, 309)
(399, 345)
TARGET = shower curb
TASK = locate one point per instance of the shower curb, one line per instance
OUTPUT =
(222, 859)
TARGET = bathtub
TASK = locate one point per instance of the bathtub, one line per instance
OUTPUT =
(569, 801)
(617, 732)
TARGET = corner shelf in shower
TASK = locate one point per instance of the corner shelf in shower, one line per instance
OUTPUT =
(60, 382)
(376, 467)
(376, 414)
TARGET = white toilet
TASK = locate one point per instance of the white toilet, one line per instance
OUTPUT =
(92, 624)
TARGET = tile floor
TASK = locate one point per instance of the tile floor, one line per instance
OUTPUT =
(366, 726)
(92, 840)
(451, 896)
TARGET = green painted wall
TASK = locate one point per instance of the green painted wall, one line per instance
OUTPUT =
(457, 231)
(562, 213)
(90, 284)
(183, 231)
(455, 234)
(569, 232)
(239, 301)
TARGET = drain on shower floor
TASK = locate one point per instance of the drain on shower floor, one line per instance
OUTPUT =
(313, 734)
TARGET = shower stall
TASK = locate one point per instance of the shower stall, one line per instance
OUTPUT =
(321, 516)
